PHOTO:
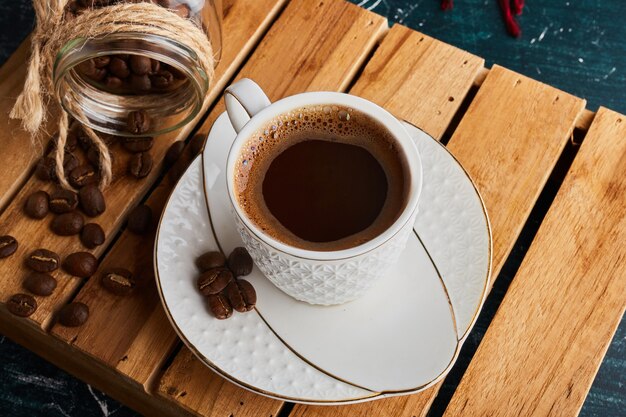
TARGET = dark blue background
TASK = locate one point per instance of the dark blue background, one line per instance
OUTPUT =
(577, 45)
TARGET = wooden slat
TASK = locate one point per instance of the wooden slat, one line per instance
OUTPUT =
(331, 38)
(419, 79)
(241, 30)
(17, 152)
(132, 334)
(509, 140)
(547, 340)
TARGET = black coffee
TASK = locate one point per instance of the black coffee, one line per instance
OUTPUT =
(323, 178)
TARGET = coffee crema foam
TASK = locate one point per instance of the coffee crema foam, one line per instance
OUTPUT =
(330, 123)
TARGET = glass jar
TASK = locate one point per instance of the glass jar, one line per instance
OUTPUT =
(108, 77)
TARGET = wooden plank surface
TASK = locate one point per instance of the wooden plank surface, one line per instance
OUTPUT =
(17, 152)
(509, 140)
(124, 192)
(418, 78)
(547, 340)
(352, 32)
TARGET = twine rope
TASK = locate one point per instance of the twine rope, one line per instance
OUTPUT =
(55, 29)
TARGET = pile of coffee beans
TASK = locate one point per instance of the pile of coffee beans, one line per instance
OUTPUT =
(219, 281)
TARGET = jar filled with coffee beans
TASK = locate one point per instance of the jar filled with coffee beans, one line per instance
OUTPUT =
(102, 80)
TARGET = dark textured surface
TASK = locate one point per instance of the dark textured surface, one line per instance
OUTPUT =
(577, 45)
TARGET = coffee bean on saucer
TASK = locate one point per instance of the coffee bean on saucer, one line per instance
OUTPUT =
(196, 144)
(140, 219)
(118, 281)
(74, 314)
(210, 260)
(43, 260)
(240, 262)
(8, 246)
(92, 235)
(91, 200)
(173, 153)
(214, 281)
(140, 165)
(63, 201)
(37, 205)
(241, 295)
(139, 144)
(40, 283)
(83, 175)
(81, 264)
(219, 306)
(67, 224)
(22, 305)
(138, 121)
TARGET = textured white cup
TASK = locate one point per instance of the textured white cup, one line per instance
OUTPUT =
(318, 277)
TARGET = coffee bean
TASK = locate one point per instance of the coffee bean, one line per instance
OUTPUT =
(118, 281)
(83, 175)
(196, 144)
(81, 264)
(214, 281)
(67, 224)
(74, 314)
(37, 205)
(138, 122)
(155, 66)
(139, 64)
(91, 200)
(162, 80)
(63, 201)
(43, 260)
(173, 153)
(241, 295)
(112, 83)
(140, 220)
(70, 142)
(138, 144)
(219, 306)
(92, 235)
(8, 246)
(39, 283)
(140, 165)
(118, 67)
(210, 260)
(181, 10)
(46, 168)
(141, 83)
(88, 68)
(22, 305)
(101, 61)
(240, 262)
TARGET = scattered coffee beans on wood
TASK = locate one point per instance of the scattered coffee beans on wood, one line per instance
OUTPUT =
(138, 122)
(92, 235)
(74, 314)
(63, 201)
(8, 246)
(67, 224)
(43, 260)
(22, 305)
(40, 283)
(81, 264)
(140, 165)
(118, 281)
(37, 205)
(92, 200)
(83, 175)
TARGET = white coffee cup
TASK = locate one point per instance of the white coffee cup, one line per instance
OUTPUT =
(319, 277)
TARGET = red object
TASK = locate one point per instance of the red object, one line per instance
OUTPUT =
(511, 25)
(447, 4)
(509, 7)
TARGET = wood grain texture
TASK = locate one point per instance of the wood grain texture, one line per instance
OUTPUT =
(17, 151)
(201, 391)
(509, 140)
(240, 35)
(308, 27)
(546, 342)
(418, 78)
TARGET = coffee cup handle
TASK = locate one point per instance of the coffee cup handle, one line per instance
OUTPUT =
(243, 100)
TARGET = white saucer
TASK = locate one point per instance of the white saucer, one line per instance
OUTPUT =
(401, 337)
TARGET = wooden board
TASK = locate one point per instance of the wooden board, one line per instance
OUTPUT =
(308, 22)
(496, 139)
(545, 344)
